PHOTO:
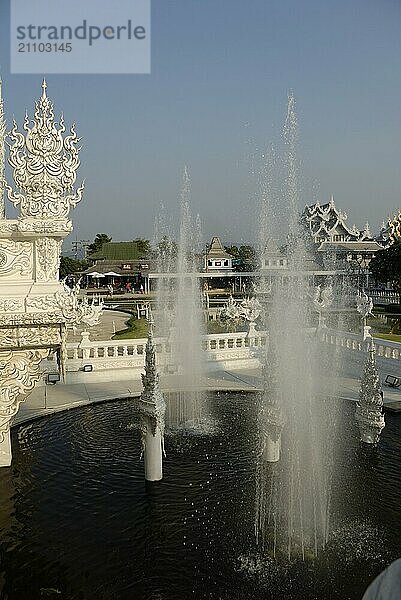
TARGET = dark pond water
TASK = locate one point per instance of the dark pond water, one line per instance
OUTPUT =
(76, 521)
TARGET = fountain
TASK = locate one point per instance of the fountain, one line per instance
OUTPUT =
(189, 540)
(179, 311)
(293, 493)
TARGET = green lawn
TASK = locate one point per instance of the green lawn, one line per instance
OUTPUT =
(137, 329)
(392, 337)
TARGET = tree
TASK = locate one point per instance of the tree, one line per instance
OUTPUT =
(143, 246)
(166, 248)
(100, 239)
(244, 257)
(386, 265)
(70, 266)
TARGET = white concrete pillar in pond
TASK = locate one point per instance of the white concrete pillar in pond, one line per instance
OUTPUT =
(153, 408)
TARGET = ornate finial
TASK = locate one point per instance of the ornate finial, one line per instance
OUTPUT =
(250, 309)
(367, 232)
(364, 305)
(44, 86)
(323, 298)
(44, 165)
(394, 228)
(369, 410)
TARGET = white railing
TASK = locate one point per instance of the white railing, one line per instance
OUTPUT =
(385, 296)
(113, 360)
(352, 341)
(243, 348)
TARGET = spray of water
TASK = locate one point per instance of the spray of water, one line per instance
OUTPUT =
(180, 309)
(293, 494)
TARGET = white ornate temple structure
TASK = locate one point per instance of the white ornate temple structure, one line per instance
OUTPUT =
(335, 240)
(35, 307)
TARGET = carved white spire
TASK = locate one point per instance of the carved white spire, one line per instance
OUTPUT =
(44, 164)
(272, 418)
(44, 86)
(2, 153)
(153, 406)
(369, 410)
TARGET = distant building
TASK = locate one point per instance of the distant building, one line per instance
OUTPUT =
(218, 259)
(335, 240)
(273, 259)
(122, 262)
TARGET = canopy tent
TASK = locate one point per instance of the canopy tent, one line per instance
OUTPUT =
(113, 274)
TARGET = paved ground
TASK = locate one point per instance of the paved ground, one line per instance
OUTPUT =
(53, 398)
(48, 399)
(110, 321)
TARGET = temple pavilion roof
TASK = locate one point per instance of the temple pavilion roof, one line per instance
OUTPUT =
(118, 251)
(326, 222)
(216, 249)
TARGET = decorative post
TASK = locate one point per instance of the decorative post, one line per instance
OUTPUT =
(369, 411)
(231, 314)
(250, 310)
(152, 408)
(322, 300)
(364, 305)
(35, 308)
(271, 419)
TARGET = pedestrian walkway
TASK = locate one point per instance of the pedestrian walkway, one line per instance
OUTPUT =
(49, 399)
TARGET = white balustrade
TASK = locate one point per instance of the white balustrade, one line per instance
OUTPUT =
(114, 354)
(352, 341)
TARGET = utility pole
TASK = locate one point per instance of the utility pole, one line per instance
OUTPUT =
(80, 246)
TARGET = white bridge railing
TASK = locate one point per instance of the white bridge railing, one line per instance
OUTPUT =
(352, 341)
(111, 360)
(384, 296)
(221, 351)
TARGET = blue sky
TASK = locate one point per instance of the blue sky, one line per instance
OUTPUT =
(221, 71)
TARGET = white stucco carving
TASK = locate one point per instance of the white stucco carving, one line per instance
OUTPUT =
(47, 259)
(19, 371)
(15, 258)
(44, 165)
(35, 308)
